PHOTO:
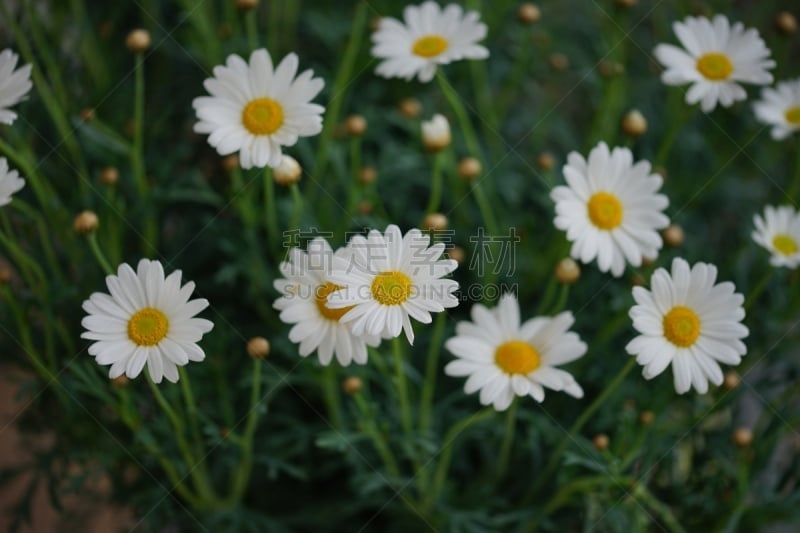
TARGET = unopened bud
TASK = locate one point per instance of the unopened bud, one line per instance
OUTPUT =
(86, 222)
(634, 124)
(731, 380)
(364, 207)
(742, 437)
(230, 162)
(601, 442)
(355, 125)
(367, 175)
(469, 168)
(258, 347)
(435, 222)
(567, 271)
(457, 254)
(529, 13)
(646, 417)
(545, 161)
(352, 385)
(109, 176)
(5, 273)
(246, 5)
(673, 235)
(410, 108)
(558, 61)
(288, 171)
(120, 382)
(786, 22)
(138, 41)
(436, 133)
(87, 114)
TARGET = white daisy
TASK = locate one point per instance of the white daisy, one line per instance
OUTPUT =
(146, 319)
(436, 133)
(780, 108)
(304, 294)
(255, 110)
(779, 232)
(10, 182)
(690, 322)
(14, 85)
(610, 209)
(430, 36)
(391, 278)
(716, 57)
(504, 358)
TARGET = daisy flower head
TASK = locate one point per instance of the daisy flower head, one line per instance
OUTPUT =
(304, 289)
(14, 84)
(391, 278)
(10, 182)
(255, 109)
(780, 108)
(431, 36)
(505, 358)
(146, 318)
(779, 232)
(689, 321)
(715, 58)
(610, 208)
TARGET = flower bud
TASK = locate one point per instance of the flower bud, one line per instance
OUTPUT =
(545, 161)
(367, 175)
(230, 162)
(558, 61)
(673, 235)
(87, 114)
(138, 41)
(109, 176)
(364, 207)
(258, 347)
(5, 273)
(742, 437)
(85, 222)
(120, 382)
(288, 171)
(410, 108)
(352, 385)
(469, 168)
(435, 222)
(529, 13)
(246, 5)
(355, 125)
(436, 133)
(601, 442)
(567, 271)
(646, 417)
(457, 254)
(626, 3)
(731, 380)
(786, 22)
(634, 124)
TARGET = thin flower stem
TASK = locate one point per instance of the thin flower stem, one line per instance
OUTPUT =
(461, 113)
(672, 134)
(98, 254)
(563, 294)
(431, 370)
(191, 414)
(435, 199)
(447, 451)
(137, 156)
(794, 187)
(252, 30)
(759, 288)
(555, 457)
(402, 386)
(378, 440)
(297, 211)
(508, 439)
(330, 389)
(270, 212)
(242, 473)
(664, 512)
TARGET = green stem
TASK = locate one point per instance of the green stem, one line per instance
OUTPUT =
(252, 30)
(759, 288)
(431, 370)
(242, 474)
(191, 414)
(330, 388)
(508, 439)
(563, 294)
(671, 135)
(461, 114)
(664, 512)
(402, 386)
(338, 90)
(270, 211)
(98, 254)
(297, 210)
(447, 451)
(436, 184)
(794, 188)
(555, 457)
(385, 453)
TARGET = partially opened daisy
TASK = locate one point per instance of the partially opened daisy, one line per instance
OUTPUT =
(716, 58)
(147, 318)
(304, 294)
(611, 208)
(255, 109)
(14, 84)
(780, 108)
(390, 279)
(690, 322)
(504, 358)
(779, 232)
(431, 36)
(10, 182)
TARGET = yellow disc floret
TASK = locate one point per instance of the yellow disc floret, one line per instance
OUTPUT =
(148, 326)
(517, 357)
(793, 115)
(262, 116)
(715, 66)
(681, 326)
(785, 244)
(605, 210)
(391, 287)
(321, 298)
(429, 46)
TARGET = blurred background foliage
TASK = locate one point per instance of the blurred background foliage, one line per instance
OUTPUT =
(562, 83)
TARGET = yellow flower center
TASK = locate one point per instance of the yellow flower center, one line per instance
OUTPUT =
(785, 244)
(391, 287)
(605, 211)
(793, 115)
(148, 326)
(322, 302)
(262, 116)
(429, 46)
(681, 326)
(715, 66)
(517, 357)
